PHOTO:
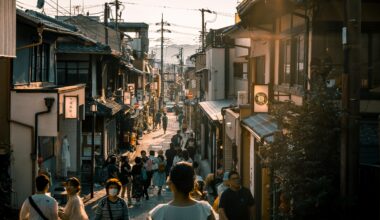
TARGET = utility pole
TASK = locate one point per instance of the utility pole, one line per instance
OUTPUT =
(180, 56)
(203, 26)
(106, 15)
(349, 175)
(162, 30)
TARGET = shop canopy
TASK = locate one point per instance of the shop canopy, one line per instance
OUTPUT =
(262, 125)
(213, 108)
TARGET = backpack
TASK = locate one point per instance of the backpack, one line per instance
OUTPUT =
(161, 167)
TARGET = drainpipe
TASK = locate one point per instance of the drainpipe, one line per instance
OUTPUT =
(40, 29)
(32, 155)
(48, 103)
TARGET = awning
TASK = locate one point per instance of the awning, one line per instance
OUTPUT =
(108, 107)
(262, 125)
(213, 108)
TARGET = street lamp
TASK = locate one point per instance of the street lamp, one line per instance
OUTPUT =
(93, 109)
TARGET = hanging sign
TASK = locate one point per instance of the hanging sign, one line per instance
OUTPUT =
(71, 107)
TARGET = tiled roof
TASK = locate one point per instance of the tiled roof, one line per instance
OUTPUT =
(47, 21)
(213, 108)
(106, 108)
(263, 125)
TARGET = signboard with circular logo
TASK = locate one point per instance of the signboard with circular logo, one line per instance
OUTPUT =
(261, 98)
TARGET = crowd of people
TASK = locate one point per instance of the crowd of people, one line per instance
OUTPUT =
(128, 183)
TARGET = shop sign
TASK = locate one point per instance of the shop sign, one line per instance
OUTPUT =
(71, 107)
(127, 98)
(260, 98)
(131, 88)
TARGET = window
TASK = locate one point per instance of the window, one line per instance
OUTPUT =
(292, 60)
(70, 72)
(260, 70)
(240, 70)
(40, 63)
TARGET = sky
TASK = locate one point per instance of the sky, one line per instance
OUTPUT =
(183, 16)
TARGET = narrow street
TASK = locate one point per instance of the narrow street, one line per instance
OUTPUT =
(149, 141)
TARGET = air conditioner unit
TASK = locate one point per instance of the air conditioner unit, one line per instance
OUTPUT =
(242, 98)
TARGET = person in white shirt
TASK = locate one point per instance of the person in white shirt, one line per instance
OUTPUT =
(46, 205)
(183, 206)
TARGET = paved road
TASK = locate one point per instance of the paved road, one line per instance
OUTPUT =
(149, 141)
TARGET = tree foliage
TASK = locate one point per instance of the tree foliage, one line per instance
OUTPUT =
(304, 157)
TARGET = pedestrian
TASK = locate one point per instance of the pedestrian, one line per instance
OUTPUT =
(186, 157)
(181, 182)
(210, 187)
(40, 205)
(74, 208)
(177, 139)
(170, 154)
(112, 169)
(220, 188)
(177, 157)
(190, 145)
(165, 122)
(125, 178)
(236, 202)
(159, 177)
(112, 206)
(157, 119)
(138, 178)
(180, 119)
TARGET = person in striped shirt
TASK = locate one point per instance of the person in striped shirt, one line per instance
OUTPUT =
(112, 207)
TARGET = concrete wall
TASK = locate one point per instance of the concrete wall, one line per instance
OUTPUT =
(23, 108)
(215, 65)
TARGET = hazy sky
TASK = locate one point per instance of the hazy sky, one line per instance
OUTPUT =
(183, 15)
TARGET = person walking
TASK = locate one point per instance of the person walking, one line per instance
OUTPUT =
(138, 179)
(165, 122)
(181, 182)
(112, 206)
(180, 120)
(125, 178)
(74, 208)
(190, 145)
(177, 139)
(236, 202)
(170, 154)
(112, 169)
(40, 205)
(159, 177)
(157, 119)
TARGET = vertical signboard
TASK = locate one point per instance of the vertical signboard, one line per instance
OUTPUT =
(260, 98)
(71, 107)
(127, 98)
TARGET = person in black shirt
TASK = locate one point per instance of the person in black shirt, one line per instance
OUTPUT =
(236, 202)
(169, 154)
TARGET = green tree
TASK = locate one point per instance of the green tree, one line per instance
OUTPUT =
(304, 157)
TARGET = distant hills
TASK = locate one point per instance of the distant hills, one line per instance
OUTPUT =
(171, 51)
